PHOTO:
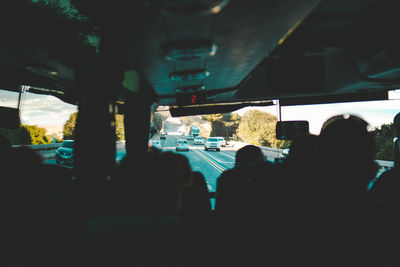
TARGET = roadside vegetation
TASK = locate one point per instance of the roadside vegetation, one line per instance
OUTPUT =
(253, 127)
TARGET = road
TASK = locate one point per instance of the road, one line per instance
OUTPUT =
(210, 163)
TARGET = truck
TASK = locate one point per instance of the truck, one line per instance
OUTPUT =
(194, 130)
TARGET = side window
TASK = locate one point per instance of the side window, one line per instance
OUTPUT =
(45, 121)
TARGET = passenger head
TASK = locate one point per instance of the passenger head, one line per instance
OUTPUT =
(248, 155)
(27, 158)
(154, 184)
(196, 201)
(346, 146)
(179, 170)
(26, 166)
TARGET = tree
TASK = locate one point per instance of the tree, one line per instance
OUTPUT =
(223, 124)
(119, 127)
(384, 136)
(69, 126)
(158, 119)
(258, 128)
(37, 134)
(232, 124)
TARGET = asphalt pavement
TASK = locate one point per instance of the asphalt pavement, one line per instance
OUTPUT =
(210, 163)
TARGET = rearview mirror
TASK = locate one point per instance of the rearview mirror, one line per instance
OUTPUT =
(9, 118)
(290, 130)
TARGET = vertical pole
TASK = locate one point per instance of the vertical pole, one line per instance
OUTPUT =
(278, 106)
(137, 120)
(396, 141)
(279, 119)
(95, 137)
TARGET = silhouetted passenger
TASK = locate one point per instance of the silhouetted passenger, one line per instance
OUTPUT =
(346, 165)
(346, 151)
(148, 229)
(196, 201)
(64, 216)
(249, 155)
(23, 192)
(197, 220)
(247, 209)
(235, 188)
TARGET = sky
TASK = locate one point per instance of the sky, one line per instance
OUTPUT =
(42, 110)
(51, 113)
(375, 113)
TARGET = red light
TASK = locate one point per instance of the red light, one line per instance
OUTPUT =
(193, 100)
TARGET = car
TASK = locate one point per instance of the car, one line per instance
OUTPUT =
(182, 145)
(65, 153)
(163, 136)
(212, 143)
(190, 137)
(198, 140)
(222, 141)
(285, 153)
(156, 144)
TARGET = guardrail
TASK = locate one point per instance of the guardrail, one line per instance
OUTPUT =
(42, 147)
(48, 151)
(385, 164)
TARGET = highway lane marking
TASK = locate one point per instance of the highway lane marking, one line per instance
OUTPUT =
(229, 155)
(216, 159)
(215, 164)
(209, 158)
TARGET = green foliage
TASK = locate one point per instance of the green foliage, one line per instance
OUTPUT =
(191, 120)
(158, 119)
(213, 117)
(37, 134)
(20, 136)
(384, 136)
(119, 127)
(69, 126)
(258, 128)
(223, 124)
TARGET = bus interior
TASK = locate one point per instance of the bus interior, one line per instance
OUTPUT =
(198, 57)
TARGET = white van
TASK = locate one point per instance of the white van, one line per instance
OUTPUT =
(221, 140)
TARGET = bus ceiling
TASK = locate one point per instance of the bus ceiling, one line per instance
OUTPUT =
(204, 52)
